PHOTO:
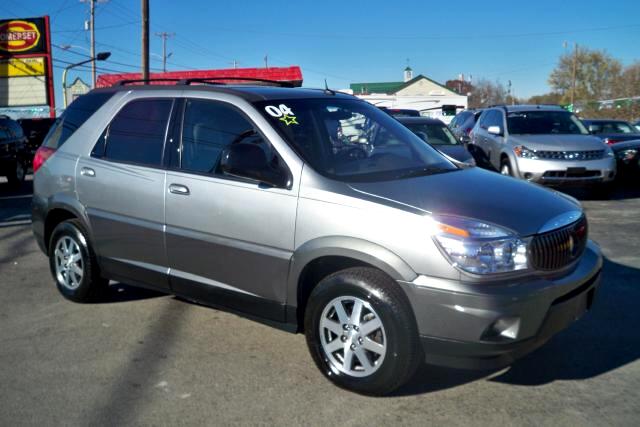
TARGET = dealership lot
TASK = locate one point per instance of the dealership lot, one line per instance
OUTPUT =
(147, 358)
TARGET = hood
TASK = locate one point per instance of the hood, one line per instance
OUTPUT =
(626, 145)
(475, 193)
(458, 152)
(618, 136)
(555, 142)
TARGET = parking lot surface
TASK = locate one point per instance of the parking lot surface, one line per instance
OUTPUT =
(143, 358)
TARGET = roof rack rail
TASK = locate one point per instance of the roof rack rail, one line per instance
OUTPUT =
(221, 80)
(160, 79)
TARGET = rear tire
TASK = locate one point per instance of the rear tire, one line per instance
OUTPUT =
(73, 263)
(17, 174)
(361, 331)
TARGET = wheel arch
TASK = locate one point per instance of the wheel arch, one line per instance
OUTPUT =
(62, 208)
(318, 258)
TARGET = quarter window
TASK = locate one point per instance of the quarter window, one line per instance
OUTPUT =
(137, 133)
(73, 117)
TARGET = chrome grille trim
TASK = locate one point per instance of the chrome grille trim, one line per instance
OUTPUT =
(558, 248)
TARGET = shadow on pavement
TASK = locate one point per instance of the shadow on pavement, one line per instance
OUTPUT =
(120, 292)
(605, 339)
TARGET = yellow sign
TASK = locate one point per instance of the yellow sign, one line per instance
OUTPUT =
(19, 67)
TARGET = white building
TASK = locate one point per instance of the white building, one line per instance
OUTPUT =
(415, 93)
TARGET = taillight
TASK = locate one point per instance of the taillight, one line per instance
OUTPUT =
(468, 131)
(611, 140)
(42, 154)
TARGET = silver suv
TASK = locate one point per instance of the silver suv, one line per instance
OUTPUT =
(314, 211)
(542, 143)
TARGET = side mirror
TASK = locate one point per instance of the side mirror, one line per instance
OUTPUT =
(494, 130)
(250, 161)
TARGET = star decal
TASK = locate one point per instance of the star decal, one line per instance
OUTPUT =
(289, 120)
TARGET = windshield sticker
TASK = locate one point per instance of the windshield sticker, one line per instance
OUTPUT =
(282, 113)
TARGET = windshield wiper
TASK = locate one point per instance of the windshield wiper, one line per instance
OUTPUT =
(430, 170)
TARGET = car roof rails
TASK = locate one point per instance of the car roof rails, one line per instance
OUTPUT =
(160, 79)
(222, 81)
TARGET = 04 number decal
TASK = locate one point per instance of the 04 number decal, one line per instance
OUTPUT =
(282, 113)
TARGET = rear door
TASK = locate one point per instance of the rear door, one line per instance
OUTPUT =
(229, 240)
(121, 184)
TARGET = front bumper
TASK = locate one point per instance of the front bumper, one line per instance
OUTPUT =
(488, 326)
(566, 172)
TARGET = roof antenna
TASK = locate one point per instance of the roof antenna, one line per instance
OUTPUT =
(327, 90)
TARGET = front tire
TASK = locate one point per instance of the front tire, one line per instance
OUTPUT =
(505, 167)
(73, 263)
(361, 331)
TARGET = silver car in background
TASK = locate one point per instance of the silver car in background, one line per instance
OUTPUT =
(542, 144)
(313, 211)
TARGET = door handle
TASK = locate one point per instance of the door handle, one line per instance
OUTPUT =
(180, 189)
(87, 172)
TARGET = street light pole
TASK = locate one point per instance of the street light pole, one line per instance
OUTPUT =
(101, 56)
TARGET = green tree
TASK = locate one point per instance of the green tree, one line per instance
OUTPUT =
(596, 73)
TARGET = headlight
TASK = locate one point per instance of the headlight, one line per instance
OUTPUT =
(524, 152)
(627, 154)
(477, 247)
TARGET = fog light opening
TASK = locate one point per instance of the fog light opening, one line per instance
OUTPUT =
(504, 328)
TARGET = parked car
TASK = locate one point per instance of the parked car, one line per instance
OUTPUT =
(543, 144)
(13, 151)
(612, 131)
(462, 124)
(627, 154)
(436, 133)
(401, 112)
(35, 130)
(381, 250)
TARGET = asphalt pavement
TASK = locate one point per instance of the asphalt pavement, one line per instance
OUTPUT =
(143, 358)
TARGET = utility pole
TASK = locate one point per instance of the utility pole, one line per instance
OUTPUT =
(573, 75)
(92, 30)
(235, 64)
(266, 61)
(164, 36)
(145, 39)
(92, 12)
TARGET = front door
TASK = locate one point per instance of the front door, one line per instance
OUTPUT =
(229, 241)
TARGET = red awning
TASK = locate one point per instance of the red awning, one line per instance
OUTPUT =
(291, 74)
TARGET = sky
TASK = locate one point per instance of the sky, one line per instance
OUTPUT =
(346, 41)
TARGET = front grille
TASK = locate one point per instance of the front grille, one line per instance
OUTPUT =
(570, 155)
(559, 248)
(578, 173)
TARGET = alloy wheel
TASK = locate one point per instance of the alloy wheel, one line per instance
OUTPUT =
(69, 263)
(353, 337)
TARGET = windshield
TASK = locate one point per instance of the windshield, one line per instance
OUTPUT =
(433, 133)
(544, 122)
(611, 127)
(351, 140)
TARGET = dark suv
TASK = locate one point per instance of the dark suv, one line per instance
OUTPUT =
(13, 151)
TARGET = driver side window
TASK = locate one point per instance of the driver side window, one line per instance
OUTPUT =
(208, 128)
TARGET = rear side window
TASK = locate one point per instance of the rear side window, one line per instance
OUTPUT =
(73, 117)
(137, 133)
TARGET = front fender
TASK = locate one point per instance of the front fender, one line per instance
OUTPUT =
(348, 247)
